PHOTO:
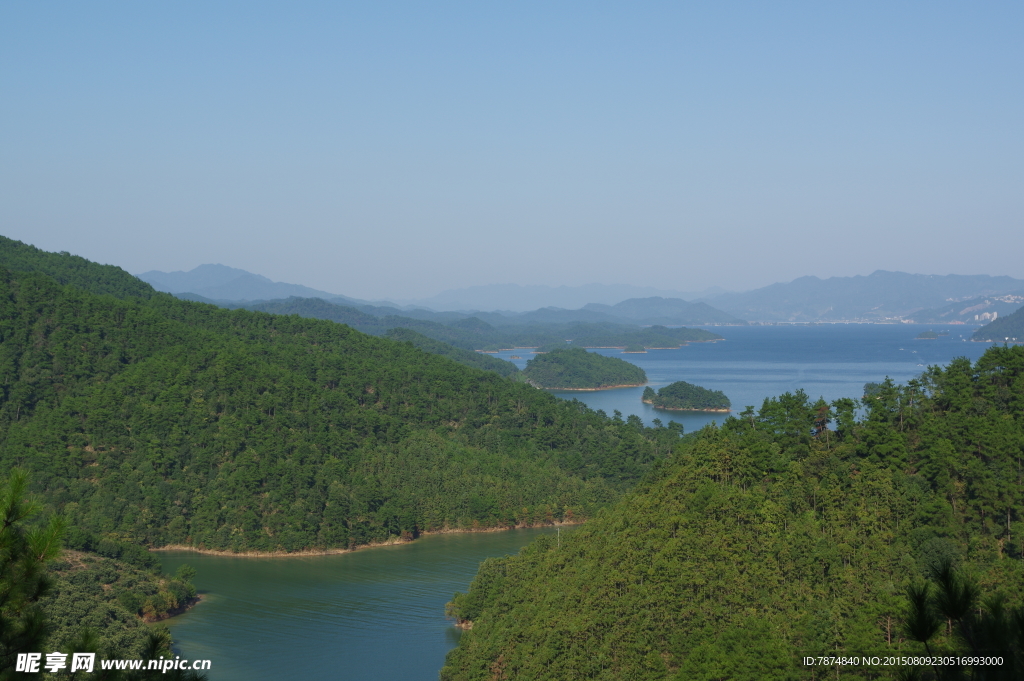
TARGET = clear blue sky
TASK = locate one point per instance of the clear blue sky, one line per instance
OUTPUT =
(398, 149)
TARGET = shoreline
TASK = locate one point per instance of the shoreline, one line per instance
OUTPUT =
(393, 541)
(174, 612)
(604, 387)
(712, 411)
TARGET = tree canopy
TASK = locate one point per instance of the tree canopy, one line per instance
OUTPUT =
(74, 270)
(575, 369)
(796, 529)
(687, 397)
(460, 355)
(163, 421)
(73, 602)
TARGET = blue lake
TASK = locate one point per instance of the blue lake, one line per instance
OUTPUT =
(757, 362)
(376, 614)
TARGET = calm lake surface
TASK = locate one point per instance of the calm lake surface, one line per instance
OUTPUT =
(379, 613)
(373, 614)
(757, 362)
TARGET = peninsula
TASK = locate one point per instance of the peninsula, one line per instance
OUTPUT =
(569, 368)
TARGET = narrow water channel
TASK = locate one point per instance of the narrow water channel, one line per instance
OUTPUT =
(373, 614)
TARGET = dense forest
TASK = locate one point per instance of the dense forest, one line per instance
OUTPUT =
(795, 530)
(73, 270)
(73, 601)
(569, 368)
(165, 422)
(1008, 328)
(686, 397)
(801, 528)
(467, 357)
(112, 598)
(475, 334)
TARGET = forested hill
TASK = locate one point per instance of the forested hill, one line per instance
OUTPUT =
(169, 422)
(467, 357)
(1003, 329)
(577, 369)
(108, 279)
(472, 333)
(72, 269)
(780, 536)
(687, 397)
(93, 598)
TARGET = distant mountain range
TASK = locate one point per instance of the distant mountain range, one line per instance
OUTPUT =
(665, 311)
(449, 325)
(232, 287)
(518, 298)
(974, 311)
(220, 283)
(879, 297)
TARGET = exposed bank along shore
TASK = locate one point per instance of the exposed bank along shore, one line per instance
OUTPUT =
(393, 541)
(603, 387)
(722, 410)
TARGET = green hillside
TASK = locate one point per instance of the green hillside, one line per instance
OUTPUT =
(475, 334)
(467, 357)
(1009, 328)
(577, 369)
(687, 397)
(110, 597)
(780, 536)
(76, 601)
(169, 422)
(72, 270)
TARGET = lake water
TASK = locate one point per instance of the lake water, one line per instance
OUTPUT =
(373, 614)
(757, 362)
(379, 613)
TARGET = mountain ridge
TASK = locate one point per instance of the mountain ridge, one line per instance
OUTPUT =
(881, 296)
(221, 283)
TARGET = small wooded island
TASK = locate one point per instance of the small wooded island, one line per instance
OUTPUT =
(683, 396)
(927, 335)
(577, 369)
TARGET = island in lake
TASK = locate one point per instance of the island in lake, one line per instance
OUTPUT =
(683, 396)
(927, 335)
(568, 368)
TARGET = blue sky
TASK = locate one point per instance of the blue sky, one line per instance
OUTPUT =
(399, 149)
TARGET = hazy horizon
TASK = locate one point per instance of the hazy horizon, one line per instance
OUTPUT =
(516, 297)
(400, 151)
